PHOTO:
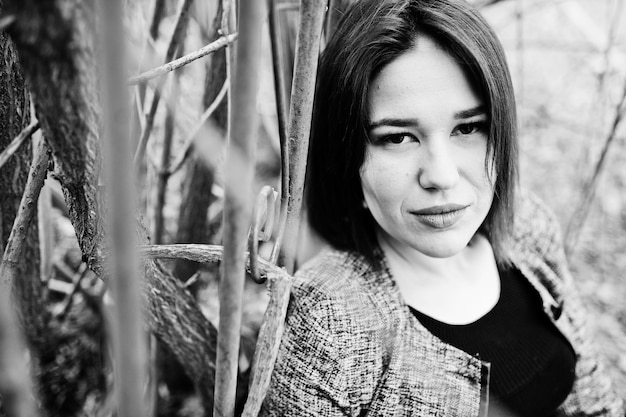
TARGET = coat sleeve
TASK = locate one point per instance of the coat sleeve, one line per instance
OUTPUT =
(309, 379)
(592, 393)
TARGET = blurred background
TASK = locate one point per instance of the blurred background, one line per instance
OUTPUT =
(567, 60)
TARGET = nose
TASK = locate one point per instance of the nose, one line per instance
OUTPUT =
(438, 169)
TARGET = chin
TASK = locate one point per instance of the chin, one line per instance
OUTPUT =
(444, 249)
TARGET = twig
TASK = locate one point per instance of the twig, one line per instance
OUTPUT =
(157, 16)
(175, 41)
(311, 23)
(127, 333)
(589, 190)
(184, 60)
(164, 174)
(15, 384)
(186, 148)
(237, 204)
(17, 142)
(268, 341)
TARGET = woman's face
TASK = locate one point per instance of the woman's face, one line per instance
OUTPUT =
(424, 177)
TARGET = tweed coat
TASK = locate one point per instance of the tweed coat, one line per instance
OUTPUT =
(353, 348)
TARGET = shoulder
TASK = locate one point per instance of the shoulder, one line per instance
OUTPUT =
(331, 273)
(338, 287)
(328, 336)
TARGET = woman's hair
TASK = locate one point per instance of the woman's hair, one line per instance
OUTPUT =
(371, 34)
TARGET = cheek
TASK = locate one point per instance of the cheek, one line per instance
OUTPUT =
(382, 187)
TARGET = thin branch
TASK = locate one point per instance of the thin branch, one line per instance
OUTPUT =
(186, 147)
(17, 142)
(184, 60)
(175, 41)
(282, 116)
(15, 384)
(157, 16)
(589, 190)
(309, 35)
(164, 174)
(237, 205)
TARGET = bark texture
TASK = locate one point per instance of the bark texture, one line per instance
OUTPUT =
(55, 41)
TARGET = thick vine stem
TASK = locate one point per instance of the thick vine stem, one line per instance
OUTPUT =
(269, 340)
(122, 266)
(237, 203)
(311, 23)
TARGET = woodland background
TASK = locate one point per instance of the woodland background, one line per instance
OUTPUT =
(567, 58)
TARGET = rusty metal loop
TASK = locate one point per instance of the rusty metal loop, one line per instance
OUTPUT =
(262, 225)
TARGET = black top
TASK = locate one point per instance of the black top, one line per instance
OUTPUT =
(532, 364)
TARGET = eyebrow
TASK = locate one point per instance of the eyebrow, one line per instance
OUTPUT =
(408, 122)
(475, 111)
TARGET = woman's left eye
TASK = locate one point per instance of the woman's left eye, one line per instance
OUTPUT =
(470, 128)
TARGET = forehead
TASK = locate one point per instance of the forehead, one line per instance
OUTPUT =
(423, 79)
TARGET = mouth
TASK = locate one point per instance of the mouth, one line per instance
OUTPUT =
(441, 217)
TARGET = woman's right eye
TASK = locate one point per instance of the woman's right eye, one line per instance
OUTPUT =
(397, 138)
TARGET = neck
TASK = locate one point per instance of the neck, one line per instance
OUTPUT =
(404, 260)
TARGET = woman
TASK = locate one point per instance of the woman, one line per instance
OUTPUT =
(444, 291)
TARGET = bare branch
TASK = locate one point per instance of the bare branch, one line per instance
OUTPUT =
(184, 60)
(17, 142)
(202, 253)
(268, 341)
(15, 384)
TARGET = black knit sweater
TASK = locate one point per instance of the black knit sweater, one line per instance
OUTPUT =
(532, 365)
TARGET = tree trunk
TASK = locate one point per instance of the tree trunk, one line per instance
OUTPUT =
(56, 46)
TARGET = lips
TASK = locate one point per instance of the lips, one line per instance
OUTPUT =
(440, 217)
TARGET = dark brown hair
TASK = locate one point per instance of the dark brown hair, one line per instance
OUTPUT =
(371, 34)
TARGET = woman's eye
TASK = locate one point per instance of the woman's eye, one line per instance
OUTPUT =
(396, 138)
(471, 128)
